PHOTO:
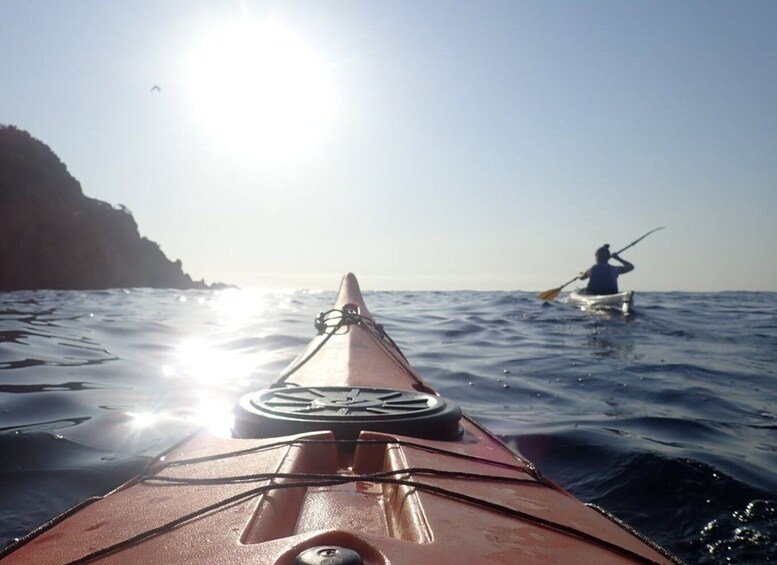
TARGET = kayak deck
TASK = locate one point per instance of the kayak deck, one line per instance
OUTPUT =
(378, 496)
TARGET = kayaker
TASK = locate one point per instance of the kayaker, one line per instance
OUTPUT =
(603, 277)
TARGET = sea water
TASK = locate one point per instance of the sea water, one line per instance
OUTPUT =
(667, 418)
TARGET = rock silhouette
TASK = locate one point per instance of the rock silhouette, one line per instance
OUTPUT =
(52, 236)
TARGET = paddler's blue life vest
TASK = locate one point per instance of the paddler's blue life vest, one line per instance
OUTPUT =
(603, 279)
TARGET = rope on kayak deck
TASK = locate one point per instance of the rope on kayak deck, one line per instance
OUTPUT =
(530, 469)
(311, 481)
(307, 480)
(368, 477)
(334, 320)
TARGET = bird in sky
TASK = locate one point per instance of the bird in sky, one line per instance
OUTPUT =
(155, 88)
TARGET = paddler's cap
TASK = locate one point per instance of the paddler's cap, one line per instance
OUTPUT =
(603, 252)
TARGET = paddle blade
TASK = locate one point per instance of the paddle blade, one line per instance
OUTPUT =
(549, 295)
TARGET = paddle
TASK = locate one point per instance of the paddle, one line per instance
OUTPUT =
(551, 294)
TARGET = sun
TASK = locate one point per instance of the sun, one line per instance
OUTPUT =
(259, 87)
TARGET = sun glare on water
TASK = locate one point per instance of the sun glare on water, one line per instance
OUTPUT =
(259, 88)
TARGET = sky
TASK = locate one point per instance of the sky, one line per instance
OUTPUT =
(423, 145)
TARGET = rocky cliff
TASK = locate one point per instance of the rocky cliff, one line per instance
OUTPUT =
(52, 236)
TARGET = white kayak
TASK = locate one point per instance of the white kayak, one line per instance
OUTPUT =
(622, 301)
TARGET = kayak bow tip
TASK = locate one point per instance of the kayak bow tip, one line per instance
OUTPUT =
(350, 293)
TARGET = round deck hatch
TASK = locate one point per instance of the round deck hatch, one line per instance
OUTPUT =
(346, 411)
